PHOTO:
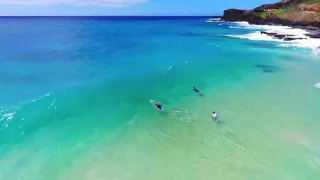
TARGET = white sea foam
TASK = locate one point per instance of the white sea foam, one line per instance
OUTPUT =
(7, 116)
(210, 20)
(46, 95)
(235, 27)
(254, 36)
(307, 42)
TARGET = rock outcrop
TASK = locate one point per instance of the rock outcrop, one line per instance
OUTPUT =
(288, 12)
(314, 35)
(240, 15)
(285, 37)
(278, 5)
(309, 7)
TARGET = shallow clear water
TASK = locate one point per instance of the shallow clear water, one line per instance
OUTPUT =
(75, 101)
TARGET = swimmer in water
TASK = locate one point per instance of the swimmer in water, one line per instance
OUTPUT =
(215, 116)
(157, 105)
(197, 91)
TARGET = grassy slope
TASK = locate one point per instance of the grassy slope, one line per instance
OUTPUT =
(271, 13)
(289, 9)
(311, 1)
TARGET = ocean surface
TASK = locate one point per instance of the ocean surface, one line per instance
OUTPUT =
(75, 92)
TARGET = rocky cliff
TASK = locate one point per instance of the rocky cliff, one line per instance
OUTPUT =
(302, 13)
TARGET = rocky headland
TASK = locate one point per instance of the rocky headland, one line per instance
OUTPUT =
(295, 13)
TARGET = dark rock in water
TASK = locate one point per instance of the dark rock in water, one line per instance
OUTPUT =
(285, 37)
(274, 35)
(313, 35)
(279, 36)
(269, 34)
(292, 39)
(268, 68)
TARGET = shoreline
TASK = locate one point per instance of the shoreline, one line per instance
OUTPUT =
(302, 14)
(291, 36)
(314, 30)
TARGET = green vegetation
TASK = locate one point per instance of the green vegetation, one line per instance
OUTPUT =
(273, 12)
(289, 9)
(278, 11)
(311, 1)
(263, 15)
(292, 8)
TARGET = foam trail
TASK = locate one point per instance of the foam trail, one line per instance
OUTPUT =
(4, 119)
(235, 27)
(9, 116)
(46, 95)
(210, 20)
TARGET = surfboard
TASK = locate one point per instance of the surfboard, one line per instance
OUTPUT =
(317, 85)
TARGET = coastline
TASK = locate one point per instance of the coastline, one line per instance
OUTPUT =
(302, 14)
(267, 21)
(287, 36)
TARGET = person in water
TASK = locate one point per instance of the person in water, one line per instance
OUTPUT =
(215, 116)
(157, 105)
(197, 91)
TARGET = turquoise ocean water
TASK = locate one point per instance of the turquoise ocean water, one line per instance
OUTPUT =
(75, 91)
